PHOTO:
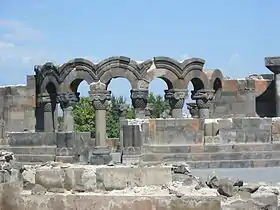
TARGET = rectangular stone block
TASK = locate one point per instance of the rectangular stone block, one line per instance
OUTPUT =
(98, 201)
(114, 178)
(176, 131)
(17, 115)
(230, 85)
(275, 127)
(30, 138)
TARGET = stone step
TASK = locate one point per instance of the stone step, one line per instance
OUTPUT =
(65, 159)
(35, 150)
(34, 158)
(199, 148)
(167, 157)
(254, 163)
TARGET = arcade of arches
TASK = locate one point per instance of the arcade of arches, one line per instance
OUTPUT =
(59, 84)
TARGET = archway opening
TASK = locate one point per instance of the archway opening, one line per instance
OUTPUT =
(194, 85)
(120, 92)
(51, 90)
(83, 112)
(156, 101)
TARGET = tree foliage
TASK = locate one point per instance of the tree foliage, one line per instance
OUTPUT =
(84, 117)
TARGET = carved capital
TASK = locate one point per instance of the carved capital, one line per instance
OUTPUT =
(193, 109)
(139, 98)
(203, 98)
(68, 99)
(100, 99)
(176, 97)
(122, 109)
(273, 64)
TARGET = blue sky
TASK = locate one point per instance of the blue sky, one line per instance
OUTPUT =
(233, 36)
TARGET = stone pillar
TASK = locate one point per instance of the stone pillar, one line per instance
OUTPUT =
(193, 109)
(45, 101)
(176, 99)
(203, 99)
(250, 102)
(273, 64)
(67, 101)
(148, 111)
(100, 100)
(139, 99)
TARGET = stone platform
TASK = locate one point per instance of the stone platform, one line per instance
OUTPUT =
(67, 186)
(246, 155)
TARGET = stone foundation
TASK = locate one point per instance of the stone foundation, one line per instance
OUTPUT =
(66, 186)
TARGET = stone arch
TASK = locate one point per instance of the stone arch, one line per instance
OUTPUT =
(123, 67)
(198, 78)
(215, 79)
(73, 80)
(78, 67)
(50, 79)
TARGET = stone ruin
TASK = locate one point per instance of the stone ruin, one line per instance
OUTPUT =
(235, 124)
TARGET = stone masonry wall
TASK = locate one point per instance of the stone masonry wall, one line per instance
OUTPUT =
(243, 97)
(17, 105)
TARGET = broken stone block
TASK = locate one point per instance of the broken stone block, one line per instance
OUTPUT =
(251, 188)
(73, 179)
(38, 190)
(225, 187)
(50, 178)
(213, 181)
(100, 156)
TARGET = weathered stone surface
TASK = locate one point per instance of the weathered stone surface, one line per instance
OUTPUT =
(122, 177)
(50, 178)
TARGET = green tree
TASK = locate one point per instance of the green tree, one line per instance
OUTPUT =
(84, 117)
(157, 104)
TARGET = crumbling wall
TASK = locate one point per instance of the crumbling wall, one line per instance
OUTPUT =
(17, 106)
(245, 97)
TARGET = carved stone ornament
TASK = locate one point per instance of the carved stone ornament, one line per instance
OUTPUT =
(193, 109)
(44, 98)
(100, 99)
(203, 98)
(176, 97)
(47, 107)
(68, 99)
(122, 109)
(139, 98)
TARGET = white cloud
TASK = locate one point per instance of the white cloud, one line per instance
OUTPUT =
(16, 39)
(18, 31)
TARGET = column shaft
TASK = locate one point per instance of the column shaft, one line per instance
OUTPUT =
(100, 128)
(48, 117)
(277, 92)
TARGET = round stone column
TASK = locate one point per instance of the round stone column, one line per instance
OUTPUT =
(203, 99)
(176, 99)
(67, 101)
(100, 100)
(45, 101)
(273, 64)
(139, 98)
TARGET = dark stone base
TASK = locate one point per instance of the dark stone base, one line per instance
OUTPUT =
(100, 156)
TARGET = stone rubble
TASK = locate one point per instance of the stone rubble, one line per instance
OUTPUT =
(177, 181)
